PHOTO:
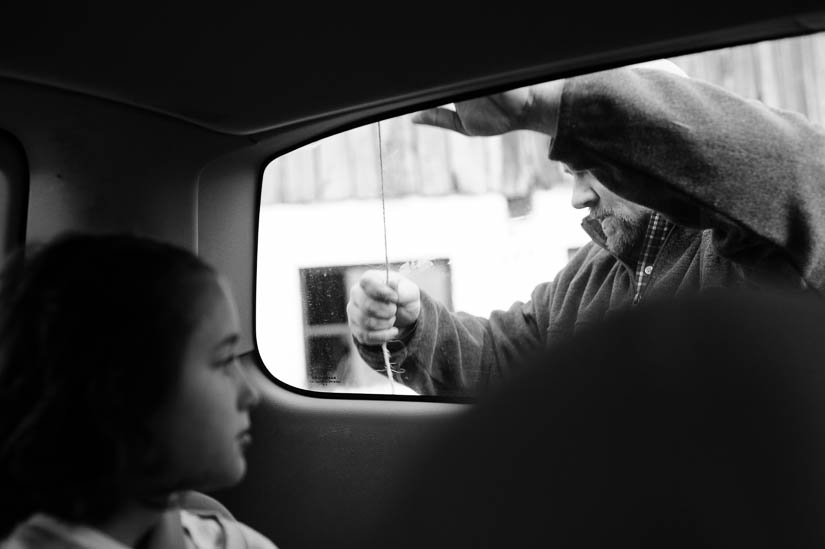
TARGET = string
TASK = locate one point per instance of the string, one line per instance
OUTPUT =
(384, 350)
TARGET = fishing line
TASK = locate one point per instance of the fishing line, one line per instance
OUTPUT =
(384, 350)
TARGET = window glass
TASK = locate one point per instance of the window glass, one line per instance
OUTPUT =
(476, 222)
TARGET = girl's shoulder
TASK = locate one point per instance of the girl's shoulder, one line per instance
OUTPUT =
(214, 530)
(208, 524)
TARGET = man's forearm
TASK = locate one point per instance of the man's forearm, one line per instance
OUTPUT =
(542, 111)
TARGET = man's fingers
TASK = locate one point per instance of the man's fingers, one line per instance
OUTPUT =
(441, 118)
(376, 287)
(379, 309)
(373, 307)
(363, 317)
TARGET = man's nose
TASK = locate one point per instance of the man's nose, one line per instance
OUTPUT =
(583, 194)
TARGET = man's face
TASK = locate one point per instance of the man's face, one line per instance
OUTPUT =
(622, 221)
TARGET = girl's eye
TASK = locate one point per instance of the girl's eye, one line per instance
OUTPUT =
(229, 361)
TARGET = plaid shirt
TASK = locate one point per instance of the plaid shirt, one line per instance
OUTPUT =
(657, 229)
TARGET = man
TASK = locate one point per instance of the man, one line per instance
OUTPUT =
(688, 187)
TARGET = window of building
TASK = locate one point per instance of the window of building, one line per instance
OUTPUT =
(332, 361)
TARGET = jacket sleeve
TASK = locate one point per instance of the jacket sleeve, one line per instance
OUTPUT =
(704, 157)
(458, 354)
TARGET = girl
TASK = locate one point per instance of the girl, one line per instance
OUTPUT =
(120, 393)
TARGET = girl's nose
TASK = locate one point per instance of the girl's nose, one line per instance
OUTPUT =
(248, 394)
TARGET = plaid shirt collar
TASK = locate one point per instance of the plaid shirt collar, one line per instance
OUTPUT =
(657, 230)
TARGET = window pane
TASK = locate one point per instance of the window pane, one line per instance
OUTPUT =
(476, 222)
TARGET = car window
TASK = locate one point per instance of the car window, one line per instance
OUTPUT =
(476, 222)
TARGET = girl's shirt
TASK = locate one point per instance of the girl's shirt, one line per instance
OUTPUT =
(179, 529)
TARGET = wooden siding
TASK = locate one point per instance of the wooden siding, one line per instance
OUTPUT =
(419, 160)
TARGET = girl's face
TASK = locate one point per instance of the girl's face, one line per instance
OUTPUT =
(204, 428)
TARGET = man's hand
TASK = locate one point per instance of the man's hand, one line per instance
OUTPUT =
(378, 311)
(528, 108)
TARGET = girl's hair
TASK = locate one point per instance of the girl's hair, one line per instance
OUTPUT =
(92, 334)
